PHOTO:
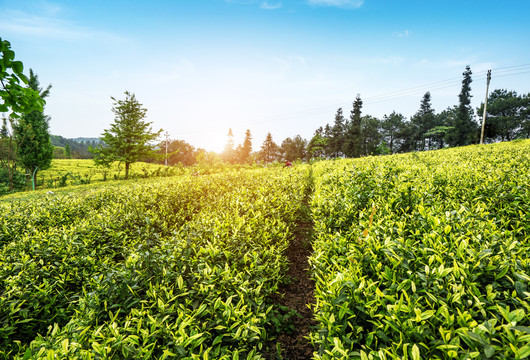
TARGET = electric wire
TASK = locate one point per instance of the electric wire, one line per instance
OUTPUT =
(413, 91)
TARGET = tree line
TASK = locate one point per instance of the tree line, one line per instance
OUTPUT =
(25, 142)
(507, 118)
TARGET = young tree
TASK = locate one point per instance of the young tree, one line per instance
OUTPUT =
(129, 138)
(464, 130)
(35, 150)
(354, 140)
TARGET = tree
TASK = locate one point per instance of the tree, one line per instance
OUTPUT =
(405, 137)
(229, 153)
(243, 151)
(370, 129)
(317, 145)
(423, 121)
(525, 116)
(505, 115)
(67, 151)
(15, 98)
(336, 141)
(294, 149)
(390, 127)
(129, 137)
(35, 150)
(179, 151)
(464, 130)
(354, 141)
(269, 149)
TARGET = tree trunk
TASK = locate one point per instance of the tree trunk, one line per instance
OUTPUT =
(127, 170)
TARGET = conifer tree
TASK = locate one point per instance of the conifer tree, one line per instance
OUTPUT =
(268, 149)
(423, 121)
(246, 148)
(354, 140)
(35, 150)
(336, 142)
(129, 137)
(464, 130)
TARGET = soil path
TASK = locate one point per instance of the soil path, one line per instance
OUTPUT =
(298, 296)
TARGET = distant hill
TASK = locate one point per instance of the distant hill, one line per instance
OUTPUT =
(78, 146)
(84, 140)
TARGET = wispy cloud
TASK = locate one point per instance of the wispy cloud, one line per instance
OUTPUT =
(401, 34)
(265, 5)
(343, 4)
(46, 25)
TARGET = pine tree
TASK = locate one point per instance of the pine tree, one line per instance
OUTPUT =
(423, 121)
(336, 142)
(35, 150)
(268, 149)
(464, 130)
(246, 148)
(354, 140)
(129, 137)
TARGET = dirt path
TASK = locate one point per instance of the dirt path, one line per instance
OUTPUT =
(298, 293)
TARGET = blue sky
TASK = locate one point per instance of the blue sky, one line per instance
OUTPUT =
(201, 67)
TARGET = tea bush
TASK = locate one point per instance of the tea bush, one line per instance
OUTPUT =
(424, 255)
(178, 267)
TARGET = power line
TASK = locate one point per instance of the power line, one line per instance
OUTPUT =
(417, 90)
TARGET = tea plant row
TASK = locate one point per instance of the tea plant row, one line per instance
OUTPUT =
(175, 268)
(424, 255)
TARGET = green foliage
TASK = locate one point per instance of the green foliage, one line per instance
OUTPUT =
(173, 268)
(424, 255)
(15, 98)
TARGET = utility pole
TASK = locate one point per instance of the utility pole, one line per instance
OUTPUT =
(485, 107)
(167, 140)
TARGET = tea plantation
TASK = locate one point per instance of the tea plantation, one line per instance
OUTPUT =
(415, 256)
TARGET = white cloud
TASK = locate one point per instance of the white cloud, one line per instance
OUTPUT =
(401, 34)
(265, 5)
(343, 4)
